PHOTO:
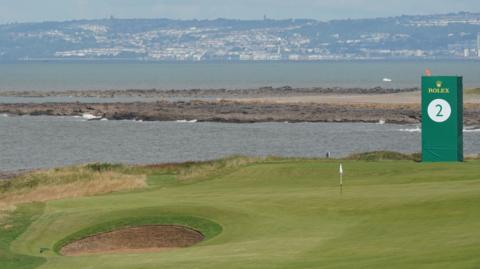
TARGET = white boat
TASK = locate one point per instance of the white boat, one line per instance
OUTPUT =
(387, 80)
(87, 116)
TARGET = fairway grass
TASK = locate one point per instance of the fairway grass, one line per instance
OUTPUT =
(274, 213)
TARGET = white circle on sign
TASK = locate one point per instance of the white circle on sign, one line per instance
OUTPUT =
(439, 110)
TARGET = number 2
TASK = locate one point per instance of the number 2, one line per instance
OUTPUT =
(440, 109)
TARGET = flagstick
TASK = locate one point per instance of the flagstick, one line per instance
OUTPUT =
(341, 184)
(341, 180)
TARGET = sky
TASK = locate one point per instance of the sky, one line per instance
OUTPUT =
(60, 10)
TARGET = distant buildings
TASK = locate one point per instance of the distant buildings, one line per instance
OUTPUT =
(405, 37)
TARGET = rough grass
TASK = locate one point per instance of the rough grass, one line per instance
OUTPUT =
(385, 156)
(190, 171)
(67, 182)
(196, 170)
(172, 174)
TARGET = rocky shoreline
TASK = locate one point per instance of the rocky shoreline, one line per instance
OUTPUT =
(236, 111)
(265, 104)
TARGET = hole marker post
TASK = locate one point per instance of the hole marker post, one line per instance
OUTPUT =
(442, 119)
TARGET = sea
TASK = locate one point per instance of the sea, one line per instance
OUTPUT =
(28, 142)
(60, 76)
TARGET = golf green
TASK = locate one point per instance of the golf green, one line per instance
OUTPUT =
(277, 214)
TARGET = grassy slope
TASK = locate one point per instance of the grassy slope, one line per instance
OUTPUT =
(289, 214)
(10, 229)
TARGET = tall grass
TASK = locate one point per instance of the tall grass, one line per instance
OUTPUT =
(201, 170)
(67, 182)
(385, 156)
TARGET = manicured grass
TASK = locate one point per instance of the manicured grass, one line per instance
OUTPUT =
(10, 229)
(283, 213)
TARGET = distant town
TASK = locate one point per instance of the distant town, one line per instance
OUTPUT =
(447, 36)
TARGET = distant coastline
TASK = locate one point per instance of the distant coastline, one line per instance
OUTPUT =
(284, 91)
(150, 61)
(434, 36)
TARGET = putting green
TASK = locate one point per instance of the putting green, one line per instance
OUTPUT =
(286, 214)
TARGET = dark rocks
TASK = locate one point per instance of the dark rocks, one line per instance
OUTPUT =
(237, 112)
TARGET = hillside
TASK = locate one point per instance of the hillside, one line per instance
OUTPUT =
(447, 36)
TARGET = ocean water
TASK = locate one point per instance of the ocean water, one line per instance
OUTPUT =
(41, 142)
(57, 76)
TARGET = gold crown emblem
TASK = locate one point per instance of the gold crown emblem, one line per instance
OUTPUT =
(439, 84)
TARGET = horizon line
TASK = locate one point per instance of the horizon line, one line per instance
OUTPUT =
(113, 17)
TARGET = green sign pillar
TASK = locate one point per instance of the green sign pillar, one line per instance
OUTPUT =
(442, 119)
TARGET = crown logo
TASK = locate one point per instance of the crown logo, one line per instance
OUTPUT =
(439, 84)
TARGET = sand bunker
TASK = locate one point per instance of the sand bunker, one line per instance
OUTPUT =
(134, 240)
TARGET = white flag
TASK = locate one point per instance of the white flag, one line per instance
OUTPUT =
(341, 169)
